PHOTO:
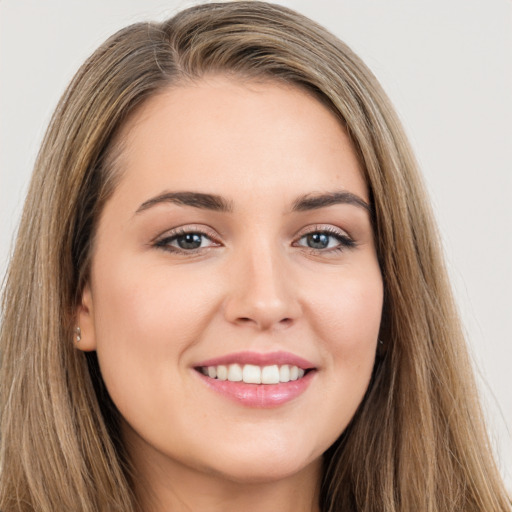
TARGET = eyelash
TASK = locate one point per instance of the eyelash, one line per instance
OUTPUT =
(344, 241)
(164, 242)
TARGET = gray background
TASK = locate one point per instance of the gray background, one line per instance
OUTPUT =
(447, 66)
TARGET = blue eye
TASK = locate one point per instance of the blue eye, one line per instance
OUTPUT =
(189, 241)
(325, 239)
(320, 240)
(185, 241)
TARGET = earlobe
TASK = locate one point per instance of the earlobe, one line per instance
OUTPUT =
(84, 335)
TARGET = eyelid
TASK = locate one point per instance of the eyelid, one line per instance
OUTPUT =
(345, 240)
(184, 230)
(323, 228)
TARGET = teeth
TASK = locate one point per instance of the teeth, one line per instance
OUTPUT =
(222, 372)
(284, 373)
(234, 373)
(252, 374)
(270, 375)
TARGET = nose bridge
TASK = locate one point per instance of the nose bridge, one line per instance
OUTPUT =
(261, 292)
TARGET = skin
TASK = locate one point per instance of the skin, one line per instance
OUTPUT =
(254, 284)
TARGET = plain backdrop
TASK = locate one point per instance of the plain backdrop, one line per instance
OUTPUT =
(447, 66)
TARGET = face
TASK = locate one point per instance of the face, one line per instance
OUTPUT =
(235, 295)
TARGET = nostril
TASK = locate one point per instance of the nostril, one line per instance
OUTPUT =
(247, 320)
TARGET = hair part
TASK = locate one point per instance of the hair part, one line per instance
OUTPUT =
(417, 441)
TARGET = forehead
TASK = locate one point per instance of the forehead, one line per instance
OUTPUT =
(221, 134)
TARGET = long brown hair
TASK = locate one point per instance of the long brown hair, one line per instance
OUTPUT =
(417, 441)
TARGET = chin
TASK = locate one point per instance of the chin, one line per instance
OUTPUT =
(265, 466)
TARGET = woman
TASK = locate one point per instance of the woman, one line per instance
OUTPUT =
(236, 296)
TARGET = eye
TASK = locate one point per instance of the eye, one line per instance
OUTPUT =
(190, 241)
(185, 240)
(326, 239)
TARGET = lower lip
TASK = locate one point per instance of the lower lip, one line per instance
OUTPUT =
(259, 395)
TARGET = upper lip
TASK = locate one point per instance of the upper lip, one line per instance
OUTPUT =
(258, 359)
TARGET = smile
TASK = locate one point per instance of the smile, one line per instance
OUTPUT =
(257, 380)
(253, 374)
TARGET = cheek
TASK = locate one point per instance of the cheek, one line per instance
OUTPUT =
(145, 319)
(149, 304)
(347, 319)
(348, 312)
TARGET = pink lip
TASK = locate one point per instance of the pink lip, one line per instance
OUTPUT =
(259, 359)
(259, 395)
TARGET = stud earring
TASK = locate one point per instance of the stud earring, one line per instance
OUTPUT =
(381, 348)
(78, 334)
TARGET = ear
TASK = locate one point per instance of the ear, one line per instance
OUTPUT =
(85, 320)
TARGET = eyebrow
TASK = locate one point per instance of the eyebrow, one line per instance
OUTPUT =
(217, 203)
(195, 199)
(317, 201)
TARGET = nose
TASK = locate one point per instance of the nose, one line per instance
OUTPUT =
(262, 293)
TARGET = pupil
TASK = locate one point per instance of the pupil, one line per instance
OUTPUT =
(318, 240)
(190, 241)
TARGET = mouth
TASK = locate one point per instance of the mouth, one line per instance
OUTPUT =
(254, 374)
(257, 380)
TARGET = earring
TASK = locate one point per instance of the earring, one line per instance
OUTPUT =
(78, 334)
(381, 348)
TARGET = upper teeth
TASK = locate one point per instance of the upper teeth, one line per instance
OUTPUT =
(252, 374)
